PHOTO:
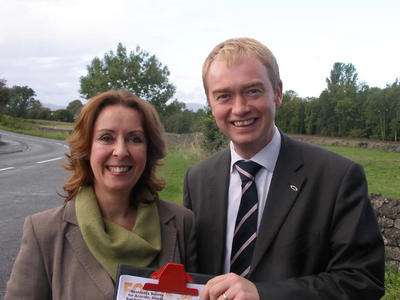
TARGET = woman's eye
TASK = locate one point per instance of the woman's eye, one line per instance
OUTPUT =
(106, 138)
(135, 139)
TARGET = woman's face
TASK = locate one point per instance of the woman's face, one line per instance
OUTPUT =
(118, 153)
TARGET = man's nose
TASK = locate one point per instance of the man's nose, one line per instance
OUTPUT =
(240, 106)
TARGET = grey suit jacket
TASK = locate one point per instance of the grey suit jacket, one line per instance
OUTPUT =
(318, 238)
(55, 263)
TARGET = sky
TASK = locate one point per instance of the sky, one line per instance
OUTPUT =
(47, 44)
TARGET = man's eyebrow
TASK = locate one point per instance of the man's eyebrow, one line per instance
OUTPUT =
(256, 83)
(220, 90)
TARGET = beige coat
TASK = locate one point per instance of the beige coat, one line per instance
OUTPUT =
(55, 263)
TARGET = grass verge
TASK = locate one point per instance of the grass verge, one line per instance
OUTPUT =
(55, 136)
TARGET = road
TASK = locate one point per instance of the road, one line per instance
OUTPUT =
(29, 182)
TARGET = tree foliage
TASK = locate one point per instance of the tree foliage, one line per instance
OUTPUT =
(75, 107)
(22, 99)
(63, 115)
(38, 112)
(214, 139)
(138, 72)
(5, 96)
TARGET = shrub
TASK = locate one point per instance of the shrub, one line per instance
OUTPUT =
(214, 139)
(357, 134)
(17, 123)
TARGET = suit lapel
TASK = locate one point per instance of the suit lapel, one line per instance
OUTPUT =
(217, 203)
(91, 265)
(168, 235)
(285, 187)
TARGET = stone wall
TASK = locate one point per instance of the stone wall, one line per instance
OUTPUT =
(388, 212)
(348, 142)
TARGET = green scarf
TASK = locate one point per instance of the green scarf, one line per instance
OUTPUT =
(110, 243)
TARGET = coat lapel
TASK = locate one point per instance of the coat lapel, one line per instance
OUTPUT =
(91, 265)
(285, 187)
(168, 235)
(217, 203)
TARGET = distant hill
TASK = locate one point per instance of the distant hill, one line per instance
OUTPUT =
(53, 107)
(195, 106)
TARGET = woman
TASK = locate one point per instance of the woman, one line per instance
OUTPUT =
(111, 215)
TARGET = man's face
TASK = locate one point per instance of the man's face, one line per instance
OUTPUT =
(243, 102)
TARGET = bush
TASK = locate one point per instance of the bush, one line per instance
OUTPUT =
(17, 123)
(214, 140)
(357, 134)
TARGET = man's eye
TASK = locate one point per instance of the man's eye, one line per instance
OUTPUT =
(254, 91)
(223, 96)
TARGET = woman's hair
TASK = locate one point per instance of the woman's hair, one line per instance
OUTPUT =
(81, 142)
(233, 50)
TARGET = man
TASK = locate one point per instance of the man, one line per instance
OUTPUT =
(315, 232)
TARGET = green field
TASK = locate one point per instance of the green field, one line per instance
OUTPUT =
(381, 167)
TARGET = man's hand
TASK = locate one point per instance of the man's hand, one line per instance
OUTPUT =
(233, 286)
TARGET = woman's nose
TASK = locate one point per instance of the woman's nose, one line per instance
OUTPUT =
(121, 149)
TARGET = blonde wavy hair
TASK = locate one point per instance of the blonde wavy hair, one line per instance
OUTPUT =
(81, 142)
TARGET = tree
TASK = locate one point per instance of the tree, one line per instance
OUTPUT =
(214, 139)
(342, 74)
(137, 72)
(22, 98)
(290, 116)
(63, 115)
(75, 107)
(5, 96)
(38, 112)
(394, 102)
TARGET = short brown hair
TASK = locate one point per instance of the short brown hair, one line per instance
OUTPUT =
(81, 142)
(233, 50)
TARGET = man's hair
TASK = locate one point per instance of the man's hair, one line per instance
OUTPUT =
(81, 142)
(233, 50)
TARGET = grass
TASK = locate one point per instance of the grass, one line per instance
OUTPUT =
(56, 136)
(176, 163)
(381, 167)
(54, 124)
(392, 284)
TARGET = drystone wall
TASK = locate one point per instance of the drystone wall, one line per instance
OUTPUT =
(388, 212)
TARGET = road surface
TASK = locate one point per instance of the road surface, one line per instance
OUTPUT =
(30, 177)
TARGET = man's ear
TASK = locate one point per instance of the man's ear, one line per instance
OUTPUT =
(278, 95)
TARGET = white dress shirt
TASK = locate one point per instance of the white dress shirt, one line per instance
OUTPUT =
(267, 158)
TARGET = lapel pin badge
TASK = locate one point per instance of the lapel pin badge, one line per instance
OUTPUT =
(294, 188)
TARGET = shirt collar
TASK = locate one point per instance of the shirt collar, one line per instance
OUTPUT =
(266, 157)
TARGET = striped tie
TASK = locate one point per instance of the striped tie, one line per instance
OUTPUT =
(244, 238)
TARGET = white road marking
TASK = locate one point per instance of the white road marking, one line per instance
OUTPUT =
(5, 169)
(66, 146)
(58, 144)
(44, 161)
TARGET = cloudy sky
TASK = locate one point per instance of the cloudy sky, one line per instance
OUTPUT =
(47, 44)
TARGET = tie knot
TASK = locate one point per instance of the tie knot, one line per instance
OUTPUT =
(247, 170)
